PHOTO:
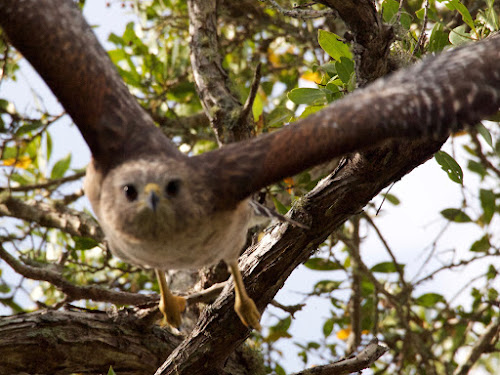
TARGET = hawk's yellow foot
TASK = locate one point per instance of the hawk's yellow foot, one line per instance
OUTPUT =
(171, 306)
(243, 304)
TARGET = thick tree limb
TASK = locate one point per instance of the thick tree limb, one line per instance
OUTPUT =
(77, 341)
(372, 38)
(221, 105)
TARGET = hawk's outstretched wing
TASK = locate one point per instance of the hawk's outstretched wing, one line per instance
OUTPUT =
(55, 38)
(432, 97)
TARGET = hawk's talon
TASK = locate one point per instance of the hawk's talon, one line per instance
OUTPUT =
(243, 304)
(248, 313)
(171, 306)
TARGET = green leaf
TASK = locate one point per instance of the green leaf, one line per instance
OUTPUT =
(279, 370)
(320, 264)
(487, 198)
(60, 167)
(326, 286)
(345, 68)
(478, 168)
(328, 327)
(278, 116)
(450, 166)
(458, 36)
(84, 243)
(29, 127)
(307, 95)
(456, 215)
(280, 207)
(48, 143)
(392, 199)
(481, 129)
(257, 107)
(492, 16)
(117, 55)
(385, 267)
(481, 246)
(462, 9)
(438, 38)
(279, 330)
(332, 44)
(111, 371)
(430, 299)
(389, 10)
(309, 110)
(491, 273)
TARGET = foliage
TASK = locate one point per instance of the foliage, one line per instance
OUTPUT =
(425, 331)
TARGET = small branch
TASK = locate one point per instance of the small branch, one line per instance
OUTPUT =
(291, 309)
(480, 154)
(71, 221)
(247, 107)
(481, 346)
(354, 339)
(75, 292)
(44, 185)
(364, 359)
(303, 13)
(98, 294)
(399, 268)
(422, 36)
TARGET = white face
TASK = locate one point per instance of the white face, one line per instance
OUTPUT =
(146, 199)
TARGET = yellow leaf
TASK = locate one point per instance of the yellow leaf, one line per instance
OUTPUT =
(343, 334)
(274, 59)
(312, 77)
(22, 162)
(289, 184)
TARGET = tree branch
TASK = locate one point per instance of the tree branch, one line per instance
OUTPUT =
(221, 105)
(303, 13)
(45, 185)
(372, 38)
(364, 359)
(483, 344)
(71, 221)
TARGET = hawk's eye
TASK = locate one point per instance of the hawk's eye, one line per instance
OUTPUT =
(130, 192)
(172, 188)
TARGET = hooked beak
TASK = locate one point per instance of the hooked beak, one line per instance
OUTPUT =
(152, 195)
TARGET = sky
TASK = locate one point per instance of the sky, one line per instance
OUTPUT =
(409, 228)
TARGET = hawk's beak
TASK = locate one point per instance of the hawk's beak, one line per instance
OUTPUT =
(152, 195)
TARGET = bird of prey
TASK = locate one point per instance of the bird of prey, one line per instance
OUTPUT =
(162, 209)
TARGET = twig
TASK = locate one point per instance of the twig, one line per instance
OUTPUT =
(303, 13)
(364, 359)
(75, 292)
(291, 309)
(71, 221)
(480, 347)
(247, 107)
(480, 154)
(399, 268)
(422, 36)
(44, 185)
